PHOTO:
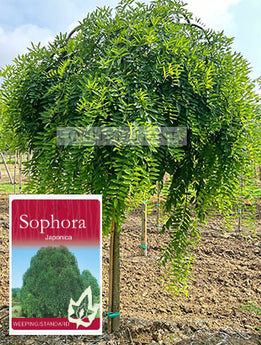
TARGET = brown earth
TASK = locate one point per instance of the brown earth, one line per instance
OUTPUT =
(225, 278)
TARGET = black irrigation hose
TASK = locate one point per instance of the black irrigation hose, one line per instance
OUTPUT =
(3, 317)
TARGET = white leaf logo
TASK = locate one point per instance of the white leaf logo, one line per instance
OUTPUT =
(82, 309)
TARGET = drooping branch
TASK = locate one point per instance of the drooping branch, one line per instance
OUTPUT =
(77, 28)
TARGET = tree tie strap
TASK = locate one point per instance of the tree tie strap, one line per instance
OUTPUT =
(143, 246)
(144, 202)
(111, 315)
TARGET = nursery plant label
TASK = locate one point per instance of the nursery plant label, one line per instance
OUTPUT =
(55, 264)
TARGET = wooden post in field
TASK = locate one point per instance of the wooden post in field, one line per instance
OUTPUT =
(143, 246)
(20, 172)
(158, 204)
(29, 157)
(6, 168)
(114, 280)
(240, 205)
(15, 158)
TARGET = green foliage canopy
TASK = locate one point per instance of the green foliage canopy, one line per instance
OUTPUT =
(16, 294)
(140, 65)
(90, 280)
(52, 279)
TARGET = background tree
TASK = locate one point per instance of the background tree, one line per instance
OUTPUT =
(140, 65)
(90, 280)
(16, 294)
(52, 279)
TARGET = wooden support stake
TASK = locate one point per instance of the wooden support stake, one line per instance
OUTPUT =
(239, 221)
(111, 273)
(143, 247)
(20, 173)
(6, 168)
(15, 158)
(114, 278)
(158, 204)
(240, 205)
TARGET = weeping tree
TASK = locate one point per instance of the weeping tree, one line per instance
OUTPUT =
(140, 65)
(52, 279)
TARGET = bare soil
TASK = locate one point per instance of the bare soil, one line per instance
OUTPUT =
(225, 277)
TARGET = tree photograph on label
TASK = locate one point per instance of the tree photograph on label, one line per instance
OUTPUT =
(51, 281)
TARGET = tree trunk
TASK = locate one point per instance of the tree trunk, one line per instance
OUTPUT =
(6, 167)
(114, 281)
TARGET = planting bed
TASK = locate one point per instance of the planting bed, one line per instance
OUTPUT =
(224, 290)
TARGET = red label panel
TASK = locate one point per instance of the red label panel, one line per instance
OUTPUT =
(50, 324)
(52, 221)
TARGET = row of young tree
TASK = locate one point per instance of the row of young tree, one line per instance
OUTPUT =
(140, 65)
(52, 279)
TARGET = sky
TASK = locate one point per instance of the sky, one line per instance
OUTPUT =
(25, 21)
(88, 259)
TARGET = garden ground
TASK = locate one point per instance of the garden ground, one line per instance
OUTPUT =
(223, 306)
